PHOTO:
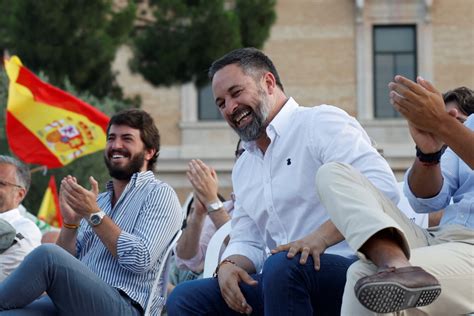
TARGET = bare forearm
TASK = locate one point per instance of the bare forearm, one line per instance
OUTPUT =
(219, 217)
(329, 233)
(243, 262)
(425, 181)
(67, 240)
(188, 244)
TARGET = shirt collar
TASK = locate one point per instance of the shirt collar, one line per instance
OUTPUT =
(10, 215)
(278, 125)
(136, 180)
(281, 121)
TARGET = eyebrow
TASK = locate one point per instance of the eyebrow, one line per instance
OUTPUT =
(121, 135)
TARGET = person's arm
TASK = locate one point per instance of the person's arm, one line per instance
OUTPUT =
(313, 244)
(232, 271)
(84, 202)
(460, 139)
(423, 106)
(247, 252)
(188, 244)
(340, 138)
(68, 235)
(205, 184)
(159, 219)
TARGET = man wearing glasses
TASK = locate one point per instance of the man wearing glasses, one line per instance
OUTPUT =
(14, 184)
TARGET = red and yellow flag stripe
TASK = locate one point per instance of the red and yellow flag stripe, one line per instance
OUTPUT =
(46, 125)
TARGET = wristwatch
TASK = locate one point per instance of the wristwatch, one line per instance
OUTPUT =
(96, 218)
(214, 206)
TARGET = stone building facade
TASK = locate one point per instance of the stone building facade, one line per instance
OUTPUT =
(337, 52)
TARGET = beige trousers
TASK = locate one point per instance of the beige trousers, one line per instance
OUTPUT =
(359, 211)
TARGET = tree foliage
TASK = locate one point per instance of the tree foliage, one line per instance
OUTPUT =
(74, 39)
(81, 168)
(187, 35)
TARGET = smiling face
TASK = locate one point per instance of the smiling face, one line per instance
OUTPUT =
(244, 102)
(125, 153)
(11, 192)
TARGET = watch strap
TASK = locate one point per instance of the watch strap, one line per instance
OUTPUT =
(433, 158)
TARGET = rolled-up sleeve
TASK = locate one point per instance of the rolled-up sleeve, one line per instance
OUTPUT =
(159, 219)
(449, 168)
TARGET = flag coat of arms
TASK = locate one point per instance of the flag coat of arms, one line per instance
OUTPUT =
(47, 126)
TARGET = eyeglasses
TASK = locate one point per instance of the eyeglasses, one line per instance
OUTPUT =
(6, 183)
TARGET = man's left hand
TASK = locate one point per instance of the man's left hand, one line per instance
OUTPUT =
(81, 200)
(313, 244)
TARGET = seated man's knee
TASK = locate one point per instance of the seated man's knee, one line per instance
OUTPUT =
(177, 298)
(45, 250)
(279, 265)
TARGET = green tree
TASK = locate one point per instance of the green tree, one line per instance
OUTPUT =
(187, 35)
(68, 39)
(81, 168)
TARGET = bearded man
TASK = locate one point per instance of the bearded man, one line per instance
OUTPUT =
(277, 205)
(112, 243)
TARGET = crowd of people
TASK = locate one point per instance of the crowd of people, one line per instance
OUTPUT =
(315, 225)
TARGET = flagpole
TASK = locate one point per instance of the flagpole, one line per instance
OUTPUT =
(39, 168)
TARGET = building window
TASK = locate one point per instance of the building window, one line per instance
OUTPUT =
(394, 53)
(208, 110)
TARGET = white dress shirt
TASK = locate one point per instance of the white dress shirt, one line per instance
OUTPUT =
(13, 256)
(276, 198)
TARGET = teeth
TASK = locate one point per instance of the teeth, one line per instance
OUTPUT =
(241, 116)
(117, 156)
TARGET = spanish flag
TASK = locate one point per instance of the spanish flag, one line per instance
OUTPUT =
(49, 209)
(47, 126)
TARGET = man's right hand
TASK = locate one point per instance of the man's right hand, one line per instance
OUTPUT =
(229, 277)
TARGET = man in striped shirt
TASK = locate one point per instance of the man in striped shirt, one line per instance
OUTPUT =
(112, 243)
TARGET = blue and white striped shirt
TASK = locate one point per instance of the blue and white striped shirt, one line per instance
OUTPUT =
(149, 214)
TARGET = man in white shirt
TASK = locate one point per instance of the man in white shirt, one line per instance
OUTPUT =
(14, 184)
(276, 201)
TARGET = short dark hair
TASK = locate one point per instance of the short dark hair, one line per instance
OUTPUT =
(23, 174)
(463, 97)
(252, 61)
(141, 120)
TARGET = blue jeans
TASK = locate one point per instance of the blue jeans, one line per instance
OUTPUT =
(285, 287)
(72, 289)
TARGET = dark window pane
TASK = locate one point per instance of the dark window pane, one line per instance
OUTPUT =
(394, 39)
(394, 53)
(384, 66)
(207, 108)
(405, 65)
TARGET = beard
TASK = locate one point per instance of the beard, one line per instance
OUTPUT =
(258, 124)
(125, 172)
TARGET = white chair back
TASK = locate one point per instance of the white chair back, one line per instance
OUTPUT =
(162, 274)
(213, 249)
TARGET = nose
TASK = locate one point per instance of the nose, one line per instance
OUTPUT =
(230, 106)
(115, 144)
